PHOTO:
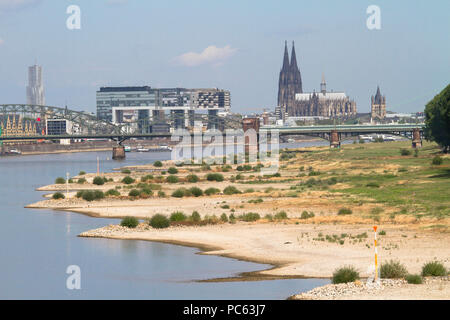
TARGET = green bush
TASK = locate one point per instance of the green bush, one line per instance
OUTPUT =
(98, 194)
(60, 180)
(88, 195)
(434, 269)
(126, 171)
(225, 206)
(134, 193)
(249, 190)
(147, 177)
(172, 179)
(437, 161)
(224, 217)
(82, 173)
(195, 216)
(393, 270)
(192, 178)
(405, 152)
(382, 233)
(178, 216)
(128, 180)
(58, 195)
(344, 211)
(372, 185)
(211, 191)
(196, 192)
(161, 194)
(99, 181)
(306, 215)
(214, 177)
(345, 274)
(81, 181)
(179, 193)
(157, 164)
(282, 215)
(112, 193)
(159, 221)
(129, 222)
(231, 190)
(248, 217)
(413, 278)
(172, 170)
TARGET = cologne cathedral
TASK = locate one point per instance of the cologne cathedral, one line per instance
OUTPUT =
(295, 103)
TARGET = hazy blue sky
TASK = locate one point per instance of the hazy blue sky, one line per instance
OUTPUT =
(164, 44)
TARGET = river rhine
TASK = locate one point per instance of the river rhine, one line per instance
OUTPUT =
(37, 246)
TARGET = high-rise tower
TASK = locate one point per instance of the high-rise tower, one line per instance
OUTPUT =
(378, 106)
(35, 88)
(290, 81)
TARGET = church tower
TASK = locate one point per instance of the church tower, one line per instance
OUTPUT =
(290, 81)
(378, 106)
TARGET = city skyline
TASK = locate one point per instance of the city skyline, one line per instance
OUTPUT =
(336, 42)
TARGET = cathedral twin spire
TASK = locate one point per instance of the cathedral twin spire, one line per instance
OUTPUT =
(290, 81)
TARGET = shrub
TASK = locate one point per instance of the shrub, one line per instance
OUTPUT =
(224, 217)
(437, 161)
(178, 216)
(98, 194)
(134, 193)
(196, 192)
(282, 215)
(225, 206)
(345, 274)
(192, 178)
(159, 221)
(82, 173)
(161, 194)
(268, 217)
(172, 170)
(306, 215)
(129, 222)
(434, 268)
(179, 193)
(413, 278)
(251, 216)
(172, 179)
(128, 180)
(147, 177)
(249, 190)
(344, 211)
(211, 191)
(231, 190)
(60, 180)
(88, 195)
(99, 181)
(214, 177)
(157, 164)
(405, 152)
(112, 193)
(58, 195)
(382, 233)
(393, 270)
(372, 185)
(147, 191)
(195, 216)
(126, 171)
(81, 181)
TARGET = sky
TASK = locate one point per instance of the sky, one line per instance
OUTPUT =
(233, 45)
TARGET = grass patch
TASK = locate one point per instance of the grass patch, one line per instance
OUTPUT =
(414, 279)
(345, 274)
(129, 222)
(159, 221)
(393, 270)
(434, 269)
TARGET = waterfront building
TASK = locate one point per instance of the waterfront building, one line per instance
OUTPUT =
(138, 106)
(35, 88)
(293, 102)
(14, 125)
(378, 106)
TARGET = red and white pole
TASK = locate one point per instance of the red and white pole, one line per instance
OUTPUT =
(376, 253)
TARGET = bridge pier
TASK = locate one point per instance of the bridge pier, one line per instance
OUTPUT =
(118, 153)
(417, 139)
(335, 141)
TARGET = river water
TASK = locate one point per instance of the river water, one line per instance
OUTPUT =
(37, 246)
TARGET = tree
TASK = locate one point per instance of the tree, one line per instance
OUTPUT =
(437, 119)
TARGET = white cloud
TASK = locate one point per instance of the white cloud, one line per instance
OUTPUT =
(211, 55)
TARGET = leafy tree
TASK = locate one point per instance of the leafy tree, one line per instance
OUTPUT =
(437, 119)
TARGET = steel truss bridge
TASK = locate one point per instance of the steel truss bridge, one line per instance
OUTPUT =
(89, 127)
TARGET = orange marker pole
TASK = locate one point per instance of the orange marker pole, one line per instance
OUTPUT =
(376, 253)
